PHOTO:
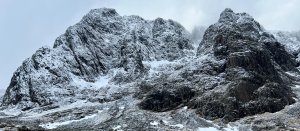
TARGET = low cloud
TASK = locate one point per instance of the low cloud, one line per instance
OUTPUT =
(272, 14)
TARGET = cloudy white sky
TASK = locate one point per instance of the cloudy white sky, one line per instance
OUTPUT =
(26, 25)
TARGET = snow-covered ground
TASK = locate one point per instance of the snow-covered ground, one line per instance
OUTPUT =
(56, 124)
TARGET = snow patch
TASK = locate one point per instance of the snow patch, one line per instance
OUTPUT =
(57, 124)
(165, 122)
(118, 128)
(229, 128)
(154, 123)
(207, 129)
(107, 40)
(122, 107)
(101, 82)
(185, 108)
(156, 64)
(217, 128)
(178, 125)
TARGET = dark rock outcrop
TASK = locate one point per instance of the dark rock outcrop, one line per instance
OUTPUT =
(254, 64)
(291, 42)
(251, 63)
(164, 100)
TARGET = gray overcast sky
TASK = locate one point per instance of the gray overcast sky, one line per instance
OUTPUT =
(26, 25)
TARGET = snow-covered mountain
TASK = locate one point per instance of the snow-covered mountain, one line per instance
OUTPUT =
(101, 46)
(291, 42)
(112, 72)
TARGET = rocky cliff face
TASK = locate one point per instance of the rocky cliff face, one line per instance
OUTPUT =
(123, 72)
(291, 42)
(253, 67)
(250, 67)
(100, 42)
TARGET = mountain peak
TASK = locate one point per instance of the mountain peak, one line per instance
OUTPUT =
(228, 15)
(104, 12)
(228, 10)
(242, 44)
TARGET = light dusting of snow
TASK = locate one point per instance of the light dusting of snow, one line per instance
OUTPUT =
(156, 64)
(156, 67)
(11, 112)
(295, 88)
(289, 41)
(77, 104)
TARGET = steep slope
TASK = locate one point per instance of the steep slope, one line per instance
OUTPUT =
(243, 73)
(88, 51)
(254, 65)
(291, 42)
(126, 73)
